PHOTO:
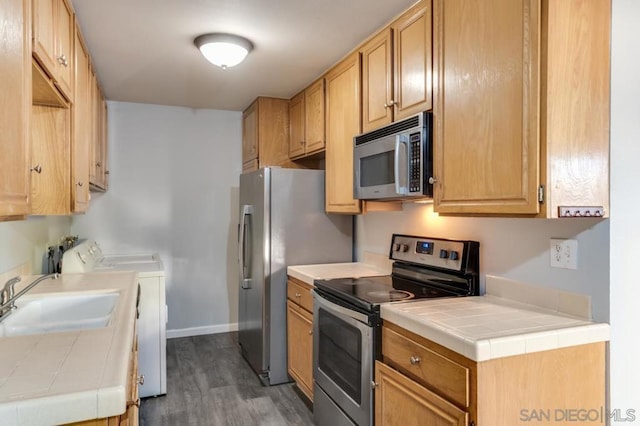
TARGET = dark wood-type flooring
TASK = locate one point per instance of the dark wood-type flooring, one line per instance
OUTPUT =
(209, 383)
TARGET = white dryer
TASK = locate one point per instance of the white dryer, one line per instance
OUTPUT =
(87, 256)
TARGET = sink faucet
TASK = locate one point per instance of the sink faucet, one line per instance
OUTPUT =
(8, 293)
(8, 298)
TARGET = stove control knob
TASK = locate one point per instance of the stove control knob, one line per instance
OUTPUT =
(396, 247)
(454, 255)
(404, 248)
(444, 254)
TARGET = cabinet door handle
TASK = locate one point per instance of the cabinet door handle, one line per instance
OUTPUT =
(415, 360)
(36, 169)
(140, 379)
(79, 183)
(298, 295)
(62, 59)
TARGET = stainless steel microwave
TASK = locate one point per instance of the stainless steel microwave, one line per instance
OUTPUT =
(395, 161)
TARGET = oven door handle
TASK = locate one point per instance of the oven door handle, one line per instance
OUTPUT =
(400, 140)
(340, 310)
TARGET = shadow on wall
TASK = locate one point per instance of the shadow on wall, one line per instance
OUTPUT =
(232, 255)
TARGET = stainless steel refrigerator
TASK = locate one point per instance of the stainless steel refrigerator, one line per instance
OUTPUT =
(282, 223)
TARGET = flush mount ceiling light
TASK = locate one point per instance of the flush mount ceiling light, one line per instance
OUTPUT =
(223, 50)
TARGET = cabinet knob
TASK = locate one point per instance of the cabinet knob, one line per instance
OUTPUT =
(36, 169)
(140, 380)
(373, 384)
(62, 59)
(298, 295)
(79, 183)
(301, 142)
(414, 360)
(310, 332)
(432, 180)
(390, 104)
(98, 164)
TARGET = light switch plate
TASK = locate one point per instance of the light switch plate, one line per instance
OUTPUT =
(563, 253)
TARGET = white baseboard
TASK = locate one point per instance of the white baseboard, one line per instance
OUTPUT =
(199, 331)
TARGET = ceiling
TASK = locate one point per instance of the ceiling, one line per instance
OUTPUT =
(143, 50)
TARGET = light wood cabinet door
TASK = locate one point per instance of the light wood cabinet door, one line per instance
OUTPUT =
(51, 143)
(98, 171)
(377, 81)
(412, 64)
(44, 33)
(53, 41)
(314, 129)
(81, 124)
(250, 133)
(342, 124)
(300, 347)
(307, 121)
(297, 126)
(401, 401)
(486, 150)
(65, 39)
(15, 107)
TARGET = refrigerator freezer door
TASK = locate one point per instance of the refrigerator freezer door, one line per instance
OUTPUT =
(252, 327)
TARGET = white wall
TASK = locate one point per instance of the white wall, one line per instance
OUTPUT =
(26, 241)
(174, 190)
(625, 205)
(516, 248)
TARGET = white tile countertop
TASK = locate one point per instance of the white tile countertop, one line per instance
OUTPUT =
(487, 327)
(327, 271)
(70, 376)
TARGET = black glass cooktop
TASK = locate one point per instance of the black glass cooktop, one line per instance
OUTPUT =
(370, 292)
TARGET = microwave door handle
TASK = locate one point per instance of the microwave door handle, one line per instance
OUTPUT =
(245, 281)
(400, 189)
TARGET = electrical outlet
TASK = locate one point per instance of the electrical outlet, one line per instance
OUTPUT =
(563, 253)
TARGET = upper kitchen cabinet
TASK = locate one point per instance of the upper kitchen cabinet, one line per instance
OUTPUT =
(397, 69)
(98, 172)
(51, 160)
(53, 36)
(81, 125)
(521, 107)
(342, 124)
(307, 121)
(15, 105)
(265, 134)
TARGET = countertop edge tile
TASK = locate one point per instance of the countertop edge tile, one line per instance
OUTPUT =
(58, 409)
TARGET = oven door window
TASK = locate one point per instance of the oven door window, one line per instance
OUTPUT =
(340, 353)
(377, 169)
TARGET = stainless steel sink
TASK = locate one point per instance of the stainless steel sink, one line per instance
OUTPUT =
(49, 313)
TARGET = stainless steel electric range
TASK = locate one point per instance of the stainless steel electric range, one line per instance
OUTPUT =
(346, 335)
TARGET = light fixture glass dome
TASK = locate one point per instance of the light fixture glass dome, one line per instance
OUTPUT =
(223, 50)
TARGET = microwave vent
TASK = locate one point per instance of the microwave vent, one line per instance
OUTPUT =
(391, 129)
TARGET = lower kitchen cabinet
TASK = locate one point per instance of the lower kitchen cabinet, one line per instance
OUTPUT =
(403, 402)
(300, 335)
(421, 382)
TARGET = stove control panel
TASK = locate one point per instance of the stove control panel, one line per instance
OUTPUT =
(447, 254)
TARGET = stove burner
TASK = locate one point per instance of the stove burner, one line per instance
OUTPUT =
(392, 295)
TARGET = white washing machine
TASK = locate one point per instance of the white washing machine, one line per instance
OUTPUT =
(87, 256)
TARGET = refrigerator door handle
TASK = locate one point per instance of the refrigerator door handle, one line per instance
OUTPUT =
(245, 280)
